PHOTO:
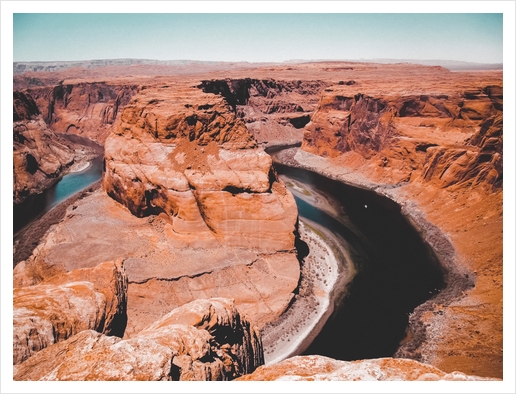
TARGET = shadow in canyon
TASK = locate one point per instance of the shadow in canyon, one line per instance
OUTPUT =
(396, 269)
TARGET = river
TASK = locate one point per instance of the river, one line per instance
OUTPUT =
(396, 269)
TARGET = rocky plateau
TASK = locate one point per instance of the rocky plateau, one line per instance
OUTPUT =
(172, 269)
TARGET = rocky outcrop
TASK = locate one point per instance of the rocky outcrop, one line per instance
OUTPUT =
(448, 138)
(319, 368)
(274, 111)
(186, 155)
(408, 152)
(53, 311)
(341, 124)
(86, 109)
(203, 340)
(39, 155)
(479, 163)
(442, 162)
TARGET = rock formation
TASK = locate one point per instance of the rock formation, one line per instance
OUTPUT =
(203, 340)
(319, 368)
(434, 145)
(348, 123)
(87, 109)
(186, 155)
(409, 135)
(274, 111)
(53, 311)
(39, 155)
(479, 163)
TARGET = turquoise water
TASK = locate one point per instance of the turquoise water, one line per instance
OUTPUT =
(72, 183)
(38, 205)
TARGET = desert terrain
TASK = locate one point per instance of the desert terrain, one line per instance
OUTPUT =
(185, 261)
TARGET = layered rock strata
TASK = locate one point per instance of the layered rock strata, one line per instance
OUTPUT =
(262, 284)
(434, 146)
(203, 340)
(85, 108)
(40, 156)
(185, 154)
(54, 310)
(453, 137)
(274, 111)
(431, 112)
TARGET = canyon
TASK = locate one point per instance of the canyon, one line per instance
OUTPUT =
(191, 245)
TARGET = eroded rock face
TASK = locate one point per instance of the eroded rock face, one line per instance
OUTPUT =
(203, 340)
(480, 162)
(50, 312)
(39, 156)
(321, 368)
(411, 136)
(274, 111)
(87, 109)
(185, 154)
(442, 161)
(360, 123)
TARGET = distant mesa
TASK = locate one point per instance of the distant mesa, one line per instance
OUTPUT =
(51, 66)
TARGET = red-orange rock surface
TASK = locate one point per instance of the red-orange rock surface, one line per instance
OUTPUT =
(434, 146)
(183, 153)
(87, 109)
(319, 368)
(262, 284)
(203, 340)
(50, 312)
(39, 155)
(274, 111)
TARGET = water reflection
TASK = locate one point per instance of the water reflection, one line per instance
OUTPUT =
(396, 269)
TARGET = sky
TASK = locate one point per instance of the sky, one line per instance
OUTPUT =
(270, 37)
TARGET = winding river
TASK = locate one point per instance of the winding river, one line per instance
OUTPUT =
(396, 269)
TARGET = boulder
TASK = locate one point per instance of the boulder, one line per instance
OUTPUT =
(203, 340)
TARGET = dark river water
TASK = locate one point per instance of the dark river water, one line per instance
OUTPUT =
(396, 269)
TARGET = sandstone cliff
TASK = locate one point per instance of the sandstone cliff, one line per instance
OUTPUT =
(39, 155)
(53, 311)
(88, 109)
(203, 340)
(274, 111)
(185, 154)
(448, 136)
(432, 141)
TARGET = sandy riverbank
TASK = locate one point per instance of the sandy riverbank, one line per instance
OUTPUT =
(323, 279)
(80, 166)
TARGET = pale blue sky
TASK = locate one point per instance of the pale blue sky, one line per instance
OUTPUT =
(258, 37)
